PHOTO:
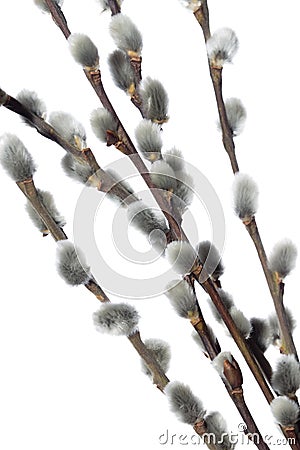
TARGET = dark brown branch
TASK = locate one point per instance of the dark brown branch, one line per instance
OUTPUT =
(114, 7)
(261, 359)
(276, 291)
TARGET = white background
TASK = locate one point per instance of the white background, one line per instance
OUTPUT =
(63, 385)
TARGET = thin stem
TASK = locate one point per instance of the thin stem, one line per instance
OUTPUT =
(238, 338)
(114, 7)
(276, 290)
(261, 359)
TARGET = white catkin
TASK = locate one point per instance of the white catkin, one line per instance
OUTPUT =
(285, 411)
(219, 360)
(149, 140)
(71, 264)
(187, 407)
(163, 176)
(222, 46)
(182, 298)
(211, 259)
(43, 5)
(155, 100)
(162, 353)
(183, 192)
(236, 115)
(227, 301)
(286, 376)
(83, 50)
(125, 34)
(69, 128)
(181, 256)
(48, 201)
(15, 158)
(33, 103)
(102, 121)
(245, 197)
(120, 319)
(121, 71)
(283, 258)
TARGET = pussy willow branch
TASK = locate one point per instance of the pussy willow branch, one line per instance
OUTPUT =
(288, 346)
(178, 233)
(29, 190)
(261, 359)
(94, 77)
(114, 7)
(101, 180)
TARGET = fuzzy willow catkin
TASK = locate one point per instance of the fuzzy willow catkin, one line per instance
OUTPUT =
(116, 319)
(187, 407)
(15, 158)
(33, 103)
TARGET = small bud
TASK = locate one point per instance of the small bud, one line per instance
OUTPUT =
(43, 5)
(33, 103)
(193, 5)
(187, 407)
(175, 159)
(245, 197)
(101, 122)
(182, 257)
(116, 319)
(122, 71)
(83, 50)
(71, 264)
(217, 427)
(211, 259)
(283, 258)
(145, 219)
(242, 323)
(15, 158)
(227, 301)
(161, 352)
(285, 411)
(218, 362)
(69, 128)
(221, 47)
(260, 333)
(155, 100)
(228, 369)
(163, 176)
(76, 168)
(236, 115)
(182, 298)
(47, 200)
(275, 328)
(286, 376)
(149, 140)
(125, 34)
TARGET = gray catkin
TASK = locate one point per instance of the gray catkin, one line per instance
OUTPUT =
(285, 411)
(76, 168)
(155, 100)
(163, 176)
(245, 196)
(102, 121)
(145, 218)
(125, 34)
(119, 319)
(162, 353)
(69, 128)
(227, 301)
(236, 115)
(182, 298)
(121, 71)
(83, 50)
(181, 256)
(174, 158)
(260, 333)
(15, 158)
(222, 46)
(71, 264)
(187, 407)
(286, 376)
(149, 140)
(47, 200)
(211, 259)
(33, 103)
(216, 426)
(283, 258)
